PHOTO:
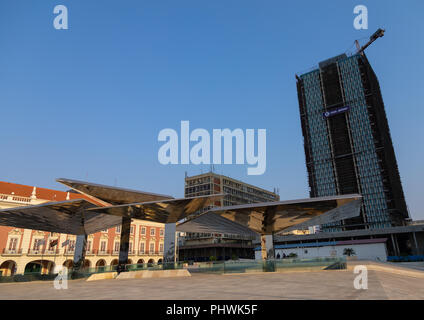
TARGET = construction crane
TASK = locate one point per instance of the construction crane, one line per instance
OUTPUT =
(378, 34)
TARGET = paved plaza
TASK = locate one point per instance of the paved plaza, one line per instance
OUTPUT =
(298, 285)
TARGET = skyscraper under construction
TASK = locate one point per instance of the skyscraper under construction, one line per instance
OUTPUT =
(347, 141)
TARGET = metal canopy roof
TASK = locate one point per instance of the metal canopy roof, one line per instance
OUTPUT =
(111, 195)
(273, 217)
(213, 223)
(166, 211)
(83, 217)
(70, 217)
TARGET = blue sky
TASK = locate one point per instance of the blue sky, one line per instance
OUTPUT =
(88, 102)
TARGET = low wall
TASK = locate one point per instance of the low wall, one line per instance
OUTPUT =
(102, 276)
(142, 274)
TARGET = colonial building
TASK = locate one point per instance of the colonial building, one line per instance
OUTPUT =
(24, 250)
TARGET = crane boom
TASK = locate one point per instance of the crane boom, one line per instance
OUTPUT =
(378, 34)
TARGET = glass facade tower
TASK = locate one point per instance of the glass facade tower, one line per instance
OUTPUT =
(347, 141)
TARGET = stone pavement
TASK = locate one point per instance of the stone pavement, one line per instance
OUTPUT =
(337, 284)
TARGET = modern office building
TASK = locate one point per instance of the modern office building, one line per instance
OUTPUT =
(201, 246)
(237, 192)
(25, 250)
(347, 141)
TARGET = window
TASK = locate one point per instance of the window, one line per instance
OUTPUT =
(130, 247)
(161, 247)
(142, 247)
(37, 244)
(88, 247)
(161, 232)
(103, 246)
(13, 244)
(116, 246)
(132, 229)
(71, 245)
(118, 229)
(152, 247)
(152, 231)
(143, 231)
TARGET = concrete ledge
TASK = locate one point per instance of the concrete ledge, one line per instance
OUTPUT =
(102, 276)
(141, 274)
(385, 267)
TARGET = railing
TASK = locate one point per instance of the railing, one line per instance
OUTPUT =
(35, 251)
(411, 258)
(268, 265)
(51, 252)
(208, 267)
(12, 251)
(103, 252)
(69, 252)
(13, 198)
(154, 253)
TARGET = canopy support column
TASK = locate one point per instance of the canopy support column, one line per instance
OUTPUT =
(79, 253)
(267, 247)
(169, 252)
(124, 244)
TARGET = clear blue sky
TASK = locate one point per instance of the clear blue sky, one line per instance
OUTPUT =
(88, 102)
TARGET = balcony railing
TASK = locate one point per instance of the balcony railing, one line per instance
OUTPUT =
(103, 252)
(69, 252)
(154, 253)
(12, 251)
(51, 252)
(35, 251)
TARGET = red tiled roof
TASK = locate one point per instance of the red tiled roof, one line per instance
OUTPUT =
(21, 190)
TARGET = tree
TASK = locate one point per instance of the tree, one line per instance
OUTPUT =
(349, 252)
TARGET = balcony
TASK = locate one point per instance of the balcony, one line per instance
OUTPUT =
(103, 252)
(12, 252)
(69, 252)
(155, 253)
(35, 252)
(51, 252)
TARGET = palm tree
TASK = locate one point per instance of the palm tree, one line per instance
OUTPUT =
(349, 252)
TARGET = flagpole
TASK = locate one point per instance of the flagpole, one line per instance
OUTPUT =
(42, 254)
(54, 260)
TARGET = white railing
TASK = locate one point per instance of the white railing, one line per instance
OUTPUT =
(13, 198)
